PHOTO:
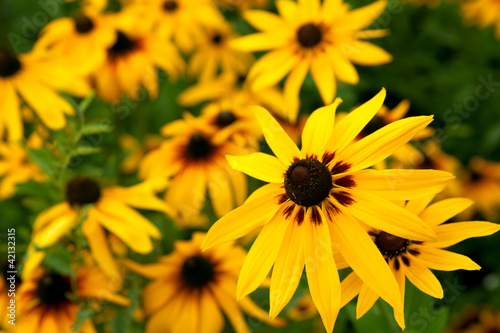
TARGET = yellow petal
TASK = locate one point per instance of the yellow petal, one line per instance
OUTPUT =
(262, 255)
(287, 269)
(211, 319)
(444, 210)
(259, 165)
(249, 216)
(351, 286)
(292, 87)
(50, 214)
(264, 20)
(270, 69)
(452, 233)
(11, 115)
(364, 257)
(444, 260)
(322, 275)
(381, 144)
(253, 310)
(228, 304)
(220, 192)
(350, 126)
(280, 143)
(56, 230)
(362, 17)
(389, 217)
(324, 77)
(401, 278)
(343, 69)
(402, 184)
(259, 42)
(366, 300)
(288, 10)
(423, 279)
(416, 206)
(369, 55)
(318, 129)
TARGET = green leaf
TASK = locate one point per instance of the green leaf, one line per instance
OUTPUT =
(59, 259)
(96, 128)
(86, 102)
(44, 158)
(85, 150)
(82, 316)
(121, 321)
(373, 321)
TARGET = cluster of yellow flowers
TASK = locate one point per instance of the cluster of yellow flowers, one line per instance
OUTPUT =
(339, 202)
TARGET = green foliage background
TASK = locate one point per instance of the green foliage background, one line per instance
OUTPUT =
(439, 63)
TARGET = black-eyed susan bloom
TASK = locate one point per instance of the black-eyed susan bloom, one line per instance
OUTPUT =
(316, 196)
(133, 58)
(412, 260)
(214, 54)
(36, 78)
(190, 290)
(323, 39)
(47, 300)
(99, 210)
(193, 157)
(483, 13)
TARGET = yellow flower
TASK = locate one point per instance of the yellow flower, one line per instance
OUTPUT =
(15, 168)
(135, 150)
(413, 260)
(36, 78)
(132, 59)
(229, 87)
(44, 304)
(307, 36)
(99, 210)
(193, 156)
(83, 39)
(304, 309)
(214, 53)
(317, 195)
(190, 288)
(483, 13)
(182, 20)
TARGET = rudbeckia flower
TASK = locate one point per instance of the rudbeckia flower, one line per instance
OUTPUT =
(317, 195)
(133, 58)
(36, 78)
(190, 288)
(475, 319)
(231, 88)
(214, 53)
(193, 156)
(99, 210)
(15, 169)
(83, 39)
(324, 40)
(181, 20)
(45, 304)
(483, 13)
(412, 260)
(304, 309)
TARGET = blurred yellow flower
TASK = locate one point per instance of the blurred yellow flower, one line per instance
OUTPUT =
(483, 13)
(413, 260)
(323, 39)
(135, 150)
(36, 78)
(190, 288)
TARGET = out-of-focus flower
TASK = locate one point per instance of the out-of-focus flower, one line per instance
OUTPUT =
(231, 88)
(181, 20)
(133, 58)
(193, 155)
(36, 78)
(414, 259)
(483, 13)
(190, 288)
(482, 185)
(135, 150)
(83, 39)
(323, 39)
(304, 309)
(475, 319)
(99, 210)
(45, 305)
(15, 167)
(242, 5)
(316, 196)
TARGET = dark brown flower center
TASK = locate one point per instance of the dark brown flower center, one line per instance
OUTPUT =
(83, 24)
(52, 289)
(9, 63)
(82, 191)
(225, 118)
(390, 245)
(122, 45)
(217, 38)
(309, 35)
(197, 271)
(308, 182)
(373, 125)
(170, 6)
(198, 147)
